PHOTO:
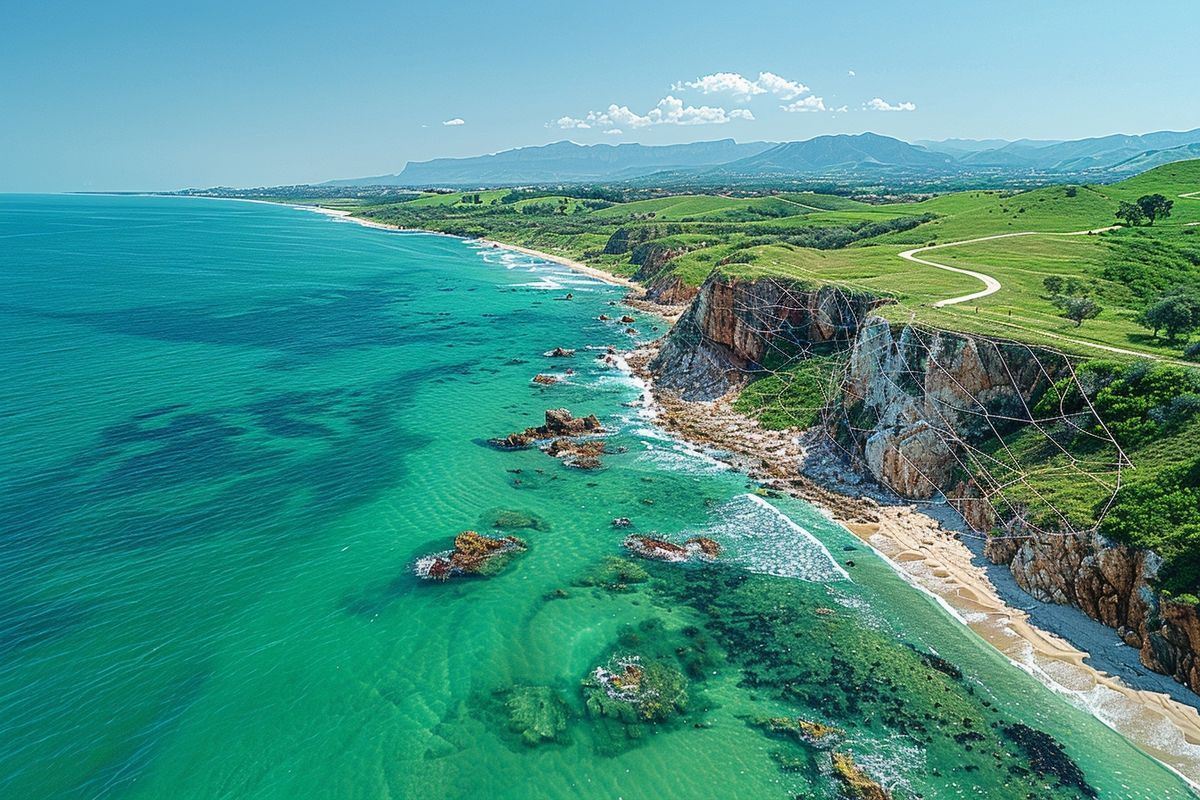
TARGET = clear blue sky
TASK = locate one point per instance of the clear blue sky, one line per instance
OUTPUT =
(159, 95)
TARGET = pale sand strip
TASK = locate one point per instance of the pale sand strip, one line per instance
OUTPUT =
(577, 266)
(922, 551)
(591, 272)
(936, 561)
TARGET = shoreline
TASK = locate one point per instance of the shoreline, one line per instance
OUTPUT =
(931, 556)
(577, 266)
(923, 550)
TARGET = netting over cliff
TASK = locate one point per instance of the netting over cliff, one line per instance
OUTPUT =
(1002, 431)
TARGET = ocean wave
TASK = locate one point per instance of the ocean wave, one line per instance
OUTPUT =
(762, 539)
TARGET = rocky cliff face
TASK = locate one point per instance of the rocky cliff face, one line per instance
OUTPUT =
(1111, 583)
(670, 290)
(915, 401)
(733, 325)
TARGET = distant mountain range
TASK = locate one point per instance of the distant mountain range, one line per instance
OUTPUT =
(863, 156)
(563, 162)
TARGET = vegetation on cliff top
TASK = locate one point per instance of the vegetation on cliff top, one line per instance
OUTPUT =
(831, 239)
(1152, 411)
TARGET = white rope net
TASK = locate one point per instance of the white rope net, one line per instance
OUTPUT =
(983, 424)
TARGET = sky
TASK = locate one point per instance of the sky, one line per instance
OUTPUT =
(127, 96)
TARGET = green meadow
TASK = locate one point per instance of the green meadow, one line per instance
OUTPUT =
(828, 239)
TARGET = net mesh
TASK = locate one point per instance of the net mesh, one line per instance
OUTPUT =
(1002, 431)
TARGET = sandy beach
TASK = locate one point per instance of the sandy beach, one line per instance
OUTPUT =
(577, 266)
(592, 272)
(1148, 709)
(926, 551)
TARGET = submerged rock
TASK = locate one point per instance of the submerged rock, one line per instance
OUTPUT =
(545, 380)
(856, 784)
(621, 522)
(615, 574)
(626, 320)
(512, 519)
(1047, 757)
(473, 554)
(632, 690)
(537, 713)
(700, 547)
(559, 422)
(559, 352)
(816, 734)
(582, 455)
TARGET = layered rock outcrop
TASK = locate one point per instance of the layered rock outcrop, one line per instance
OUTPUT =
(1112, 583)
(915, 400)
(670, 290)
(914, 404)
(733, 325)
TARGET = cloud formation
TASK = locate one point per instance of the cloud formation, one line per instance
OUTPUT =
(455, 121)
(879, 104)
(794, 97)
(810, 103)
(740, 86)
(669, 111)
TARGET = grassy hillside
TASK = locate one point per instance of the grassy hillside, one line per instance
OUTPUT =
(826, 238)
(821, 239)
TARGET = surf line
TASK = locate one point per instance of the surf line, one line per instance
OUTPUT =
(804, 533)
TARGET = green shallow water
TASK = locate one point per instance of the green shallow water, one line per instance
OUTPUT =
(229, 430)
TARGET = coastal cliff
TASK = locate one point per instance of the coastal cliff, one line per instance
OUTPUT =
(1111, 583)
(733, 326)
(914, 406)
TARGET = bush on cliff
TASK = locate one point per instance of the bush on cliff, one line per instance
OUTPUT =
(793, 397)
(1162, 513)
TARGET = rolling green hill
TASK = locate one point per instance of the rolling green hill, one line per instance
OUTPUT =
(827, 238)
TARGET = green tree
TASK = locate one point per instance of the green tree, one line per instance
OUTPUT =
(1155, 206)
(1053, 284)
(1079, 308)
(1174, 314)
(1130, 213)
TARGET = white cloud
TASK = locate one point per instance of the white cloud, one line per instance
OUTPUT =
(879, 104)
(810, 103)
(731, 82)
(850, 73)
(614, 132)
(781, 87)
(455, 121)
(669, 111)
(571, 122)
(740, 86)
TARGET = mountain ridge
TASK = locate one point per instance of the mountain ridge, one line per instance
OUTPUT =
(862, 155)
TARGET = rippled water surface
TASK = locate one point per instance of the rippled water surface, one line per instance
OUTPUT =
(229, 429)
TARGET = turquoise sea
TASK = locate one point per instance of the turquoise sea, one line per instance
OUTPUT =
(227, 431)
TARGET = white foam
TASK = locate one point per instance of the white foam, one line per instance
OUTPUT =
(760, 538)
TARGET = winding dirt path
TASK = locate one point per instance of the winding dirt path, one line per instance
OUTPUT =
(990, 284)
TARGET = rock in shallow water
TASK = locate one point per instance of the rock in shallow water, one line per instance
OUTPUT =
(698, 547)
(537, 713)
(559, 422)
(473, 554)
